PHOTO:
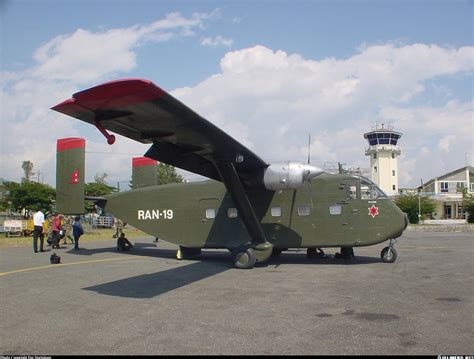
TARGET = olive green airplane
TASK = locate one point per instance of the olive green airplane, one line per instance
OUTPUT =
(252, 208)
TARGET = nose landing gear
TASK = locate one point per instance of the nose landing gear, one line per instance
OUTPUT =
(389, 254)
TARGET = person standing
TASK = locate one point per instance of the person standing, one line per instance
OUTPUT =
(67, 229)
(56, 227)
(38, 220)
(118, 228)
(77, 231)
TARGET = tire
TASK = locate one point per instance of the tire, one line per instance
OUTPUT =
(347, 253)
(388, 255)
(244, 259)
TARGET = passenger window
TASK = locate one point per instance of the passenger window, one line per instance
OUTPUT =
(304, 210)
(232, 213)
(210, 213)
(335, 209)
(276, 211)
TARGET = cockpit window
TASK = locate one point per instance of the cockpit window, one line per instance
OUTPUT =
(369, 190)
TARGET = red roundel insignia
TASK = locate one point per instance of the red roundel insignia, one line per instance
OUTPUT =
(75, 176)
(373, 211)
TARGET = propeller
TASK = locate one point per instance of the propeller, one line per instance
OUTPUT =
(309, 148)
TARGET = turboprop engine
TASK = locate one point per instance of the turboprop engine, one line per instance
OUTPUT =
(289, 175)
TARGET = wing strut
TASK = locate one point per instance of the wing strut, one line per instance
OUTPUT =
(237, 192)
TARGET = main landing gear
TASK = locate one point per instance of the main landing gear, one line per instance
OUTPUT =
(389, 254)
(346, 253)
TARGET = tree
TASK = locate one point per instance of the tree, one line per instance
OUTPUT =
(30, 196)
(468, 204)
(28, 168)
(167, 174)
(410, 203)
(98, 188)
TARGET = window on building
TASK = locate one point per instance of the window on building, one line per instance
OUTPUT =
(304, 210)
(210, 213)
(276, 211)
(394, 187)
(393, 155)
(444, 187)
(393, 172)
(232, 212)
(375, 169)
(375, 156)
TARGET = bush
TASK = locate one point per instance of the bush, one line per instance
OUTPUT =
(410, 203)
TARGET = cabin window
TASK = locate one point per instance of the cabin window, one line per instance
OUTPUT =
(369, 190)
(304, 210)
(276, 211)
(335, 209)
(232, 213)
(351, 191)
(210, 213)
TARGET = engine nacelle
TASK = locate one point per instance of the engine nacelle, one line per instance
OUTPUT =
(289, 175)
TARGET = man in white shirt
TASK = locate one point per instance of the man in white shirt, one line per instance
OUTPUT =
(38, 220)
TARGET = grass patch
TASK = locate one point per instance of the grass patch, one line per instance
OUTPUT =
(90, 235)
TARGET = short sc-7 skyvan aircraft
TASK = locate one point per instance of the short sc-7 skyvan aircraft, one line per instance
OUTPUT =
(252, 208)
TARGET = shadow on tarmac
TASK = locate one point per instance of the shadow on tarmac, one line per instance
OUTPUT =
(210, 263)
(155, 284)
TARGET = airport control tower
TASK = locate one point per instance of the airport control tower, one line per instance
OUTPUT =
(384, 151)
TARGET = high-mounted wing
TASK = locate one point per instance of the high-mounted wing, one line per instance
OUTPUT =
(140, 110)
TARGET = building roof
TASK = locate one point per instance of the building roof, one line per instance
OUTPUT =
(463, 169)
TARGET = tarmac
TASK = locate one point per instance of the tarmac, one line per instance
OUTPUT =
(101, 302)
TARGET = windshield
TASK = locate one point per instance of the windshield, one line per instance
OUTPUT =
(369, 190)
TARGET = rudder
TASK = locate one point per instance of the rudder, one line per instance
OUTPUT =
(70, 167)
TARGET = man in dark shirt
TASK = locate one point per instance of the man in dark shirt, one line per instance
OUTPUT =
(123, 244)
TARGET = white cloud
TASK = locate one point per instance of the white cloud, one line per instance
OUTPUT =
(217, 41)
(279, 98)
(269, 100)
(65, 65)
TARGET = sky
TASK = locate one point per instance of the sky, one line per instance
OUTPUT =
(267, 72)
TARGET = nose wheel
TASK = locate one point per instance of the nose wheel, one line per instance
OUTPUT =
(389, 254)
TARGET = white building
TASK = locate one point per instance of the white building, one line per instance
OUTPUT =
(446, 192)
(384, 151)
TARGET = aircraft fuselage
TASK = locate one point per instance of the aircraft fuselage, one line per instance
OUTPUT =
(329, 211)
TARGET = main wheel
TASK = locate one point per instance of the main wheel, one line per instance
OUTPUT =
(244, 259)
(388, 255)
(347, 252)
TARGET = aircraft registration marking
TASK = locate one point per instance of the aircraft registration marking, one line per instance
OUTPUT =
(155, 214)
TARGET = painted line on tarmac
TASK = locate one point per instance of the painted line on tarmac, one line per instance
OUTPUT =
(66, 264)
